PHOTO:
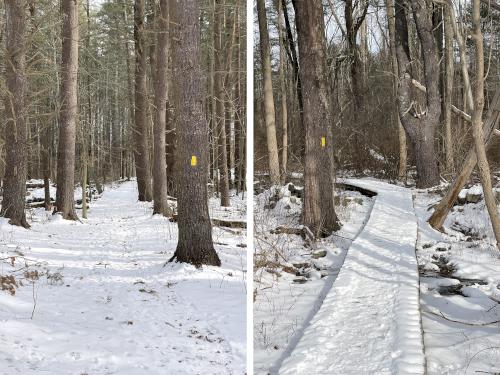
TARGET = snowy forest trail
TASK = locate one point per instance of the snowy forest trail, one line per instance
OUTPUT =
(108, 306)
(369, 322)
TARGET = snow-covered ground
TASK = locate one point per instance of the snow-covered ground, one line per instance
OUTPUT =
(460, 288)
(96, 298)
(369, 322)
(284, 302)
(368, 318)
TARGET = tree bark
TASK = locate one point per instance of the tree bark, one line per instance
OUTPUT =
(269, 112)
(14, 194)
(420, 124)
(319, 210)
(195, 244)
(477, 129)
(141, 110)
(160, 205)
(65, 196)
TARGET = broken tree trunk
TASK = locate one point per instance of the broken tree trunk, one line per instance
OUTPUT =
(443, 208)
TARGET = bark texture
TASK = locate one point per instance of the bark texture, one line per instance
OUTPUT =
(140, 114)
(65, 195)
(14, 193)
(195, 244)
(160, 205)
(269, 112)
(419, 122)
(319, 210)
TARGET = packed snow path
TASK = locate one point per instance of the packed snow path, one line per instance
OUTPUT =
(369, 322)
(115, 309)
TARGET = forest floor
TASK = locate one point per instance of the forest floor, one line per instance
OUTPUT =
(459, 286)
(94, 297)
(366, 318)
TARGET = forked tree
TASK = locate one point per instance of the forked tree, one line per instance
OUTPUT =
(269, 111)
(140, 114)
(319, 210)
(14, 193)
(65, 195)
(195, 244)
(160, 205)
(420, 121)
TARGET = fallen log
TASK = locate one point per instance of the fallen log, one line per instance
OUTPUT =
(229, 223)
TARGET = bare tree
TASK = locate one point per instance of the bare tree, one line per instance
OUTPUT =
(160, 205)
(65, 196)
(319, 210)
(14, 194)
(141, 123)
(195, 244)
(270, 115)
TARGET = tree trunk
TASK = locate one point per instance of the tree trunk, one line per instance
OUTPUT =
(319, 210)
(239, 146)
(195, 244)
(389, 6)
(228, 89)
(160, 205)
(356, 67)
(46, 146)
(284, 107)
(141, 123)
(84, 184)
(443, 208)
(448, 89)
(469, 101)
(14, 194)
(65, 196)
(220, 127)
(477, 129)
(420, 124)
(270, 116)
